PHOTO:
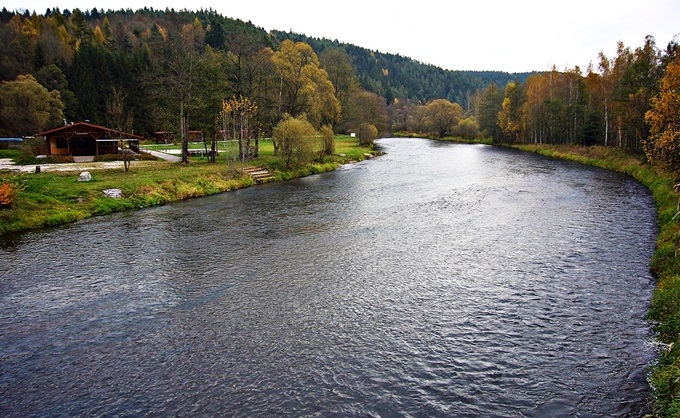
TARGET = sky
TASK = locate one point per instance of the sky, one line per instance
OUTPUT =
(512, 36)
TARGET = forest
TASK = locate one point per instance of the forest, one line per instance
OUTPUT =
(150, 70)
(174, 71)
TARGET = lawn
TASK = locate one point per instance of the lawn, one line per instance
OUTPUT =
(55, 198)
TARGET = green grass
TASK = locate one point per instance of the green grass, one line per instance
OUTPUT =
(9, 153)
(56, 198)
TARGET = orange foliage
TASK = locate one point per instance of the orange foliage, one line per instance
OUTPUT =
(7, 195)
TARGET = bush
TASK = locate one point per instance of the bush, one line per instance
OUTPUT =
(367, 134)
(7, 195)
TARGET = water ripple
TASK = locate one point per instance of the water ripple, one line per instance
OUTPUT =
(438, 280)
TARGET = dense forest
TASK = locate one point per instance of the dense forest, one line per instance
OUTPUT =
(393, 76)
(117, 68)
(150, 70)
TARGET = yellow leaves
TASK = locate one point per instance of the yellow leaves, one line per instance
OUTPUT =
(29, 29)
(99, 36)
(305, 86)
(241, 106)
(385, 72)
(7, 195)
(664, 120)
(442, 116)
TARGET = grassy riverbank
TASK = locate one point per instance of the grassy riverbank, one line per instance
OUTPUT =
(664, 311)
(57, 198)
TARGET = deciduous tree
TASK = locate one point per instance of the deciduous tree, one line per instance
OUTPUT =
(298, 141)
(442, 116)
(663, 145)
(509, 118)
(26, 107)
(367, 133)
(304, 85)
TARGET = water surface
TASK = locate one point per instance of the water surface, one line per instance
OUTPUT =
(437, 280)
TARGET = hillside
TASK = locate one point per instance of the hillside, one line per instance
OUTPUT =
(395, 76)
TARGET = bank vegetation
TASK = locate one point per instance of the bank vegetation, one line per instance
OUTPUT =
(37, 200)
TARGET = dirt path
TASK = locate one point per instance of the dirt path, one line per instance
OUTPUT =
(6, 164)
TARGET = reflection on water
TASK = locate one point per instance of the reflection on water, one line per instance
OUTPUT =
(437, 280)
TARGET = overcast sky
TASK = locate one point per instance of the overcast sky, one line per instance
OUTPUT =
(513, 36)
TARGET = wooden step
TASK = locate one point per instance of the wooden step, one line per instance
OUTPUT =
(259, 174)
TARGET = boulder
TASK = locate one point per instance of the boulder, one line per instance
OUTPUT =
(114, 193)
(85, 176)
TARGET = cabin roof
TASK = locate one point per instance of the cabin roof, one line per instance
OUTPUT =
(86, 127)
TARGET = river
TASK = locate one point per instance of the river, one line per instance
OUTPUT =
(437, 280)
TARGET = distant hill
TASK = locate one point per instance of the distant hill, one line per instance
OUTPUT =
(391, 75)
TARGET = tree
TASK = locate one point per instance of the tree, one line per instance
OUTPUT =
(467, 128)
(489, 107)
(52, 78)
(304, 86)
(26, 107)
(237, 114)
(297, 141)
(663, 145)
(509, 118)
(400, 112)
(174, 84)
(90, 79)
(341, 73)
(365, 107)
(328, 138)
(442, 116)
(367, 133)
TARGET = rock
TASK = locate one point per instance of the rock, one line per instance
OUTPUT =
(85, 176)
(114, 193)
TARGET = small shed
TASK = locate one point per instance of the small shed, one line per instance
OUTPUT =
(86, 139)
(162, 137)
(195, 136)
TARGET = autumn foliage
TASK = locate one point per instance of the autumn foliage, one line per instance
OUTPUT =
(7, 195)
(663, 118)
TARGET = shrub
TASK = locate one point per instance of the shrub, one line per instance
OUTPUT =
(7, 195)
(367, 134)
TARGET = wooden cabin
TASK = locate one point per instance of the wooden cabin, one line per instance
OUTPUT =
(86, 139)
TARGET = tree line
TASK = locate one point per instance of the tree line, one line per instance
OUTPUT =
(149, 69)
(626, 101)
(171, 71)
(175, 71)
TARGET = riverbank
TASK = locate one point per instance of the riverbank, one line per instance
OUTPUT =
(664, 311)
(56, 197)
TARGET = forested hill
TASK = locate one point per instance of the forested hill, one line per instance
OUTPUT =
(391, 75)
(139, 70)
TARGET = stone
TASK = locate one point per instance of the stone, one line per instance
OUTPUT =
(114, 193)
(85, 176)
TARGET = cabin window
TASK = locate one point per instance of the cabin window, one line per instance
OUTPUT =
(62, 143)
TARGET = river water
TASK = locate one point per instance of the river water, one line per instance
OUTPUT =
(436, 280)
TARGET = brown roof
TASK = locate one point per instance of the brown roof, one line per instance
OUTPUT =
(89, 128)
